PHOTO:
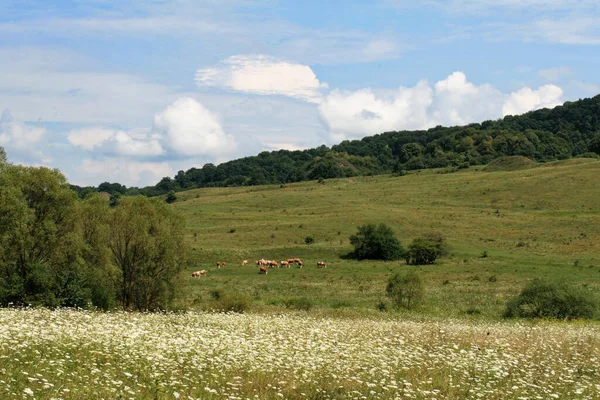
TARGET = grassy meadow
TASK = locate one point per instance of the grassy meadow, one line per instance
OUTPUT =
(67, 354)
(532, 220)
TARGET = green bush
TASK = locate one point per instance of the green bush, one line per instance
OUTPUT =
(309, 239)
(171, 197)
(237, 303)
(421, 251)
(542, 299)
(406, 290)
(299, 303)
(376, 242)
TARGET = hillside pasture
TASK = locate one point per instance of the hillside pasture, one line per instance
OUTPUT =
(543, 221)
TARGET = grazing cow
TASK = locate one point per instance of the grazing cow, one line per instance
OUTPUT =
(321, 264)
(300, 264)
(285, 264)
(261, 262)
(202, 272)
(297, 261)
(196, 274)
(218, 265)
(245, 262)
(291, 260)
(273, 264)
(263, 270)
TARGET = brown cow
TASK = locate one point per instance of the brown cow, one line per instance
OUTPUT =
(297, 261)
(321, 264)
(218, 265)
(202, 272)
(263, 270)
(300, 264)
(291, 260)
(245, 262)
(273, 264)
(261, 262)
(285, 264)
(195, 274)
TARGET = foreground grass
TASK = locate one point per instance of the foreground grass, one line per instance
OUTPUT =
(79, 355)
(543, 221)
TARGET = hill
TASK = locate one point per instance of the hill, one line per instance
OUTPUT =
(570, 130)
(543, 221)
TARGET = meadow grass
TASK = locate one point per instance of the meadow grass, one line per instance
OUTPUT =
(67, 354)
(542, 221)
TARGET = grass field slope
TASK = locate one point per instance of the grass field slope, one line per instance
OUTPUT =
(532, 220)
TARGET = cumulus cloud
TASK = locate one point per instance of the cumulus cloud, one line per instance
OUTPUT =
(126, 143)
(21, 141)
(527, 99)
(259, 74)
(123, 170)
(452, 101)
(188, 128)
(184, 129)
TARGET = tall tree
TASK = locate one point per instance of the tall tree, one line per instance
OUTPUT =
(147, 244)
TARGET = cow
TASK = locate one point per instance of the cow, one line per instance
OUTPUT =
(245, 262)
(300, 264)
(321, 264)
(202, 272)
(273, 264)
(261, 262)
(263, 270)
(297, 261)
(285, 264)
(196, 274)
(218, 265)
(291, 260)
(223, 264)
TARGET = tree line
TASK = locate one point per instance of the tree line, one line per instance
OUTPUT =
(570, 130)
(57, 250)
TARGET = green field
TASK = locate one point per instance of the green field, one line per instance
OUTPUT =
(538, 221)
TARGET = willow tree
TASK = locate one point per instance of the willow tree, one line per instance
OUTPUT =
(146, 241)
(38, 237)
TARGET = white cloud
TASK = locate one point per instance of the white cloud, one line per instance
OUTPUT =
(131, 143)
(452, 101)
(555, 74)
(21, 141)
(90, 138)
(575, 30)
(188, 128)
(183, 129)
(259, 74)
(526, 99)
(122, 170)
(365, 112)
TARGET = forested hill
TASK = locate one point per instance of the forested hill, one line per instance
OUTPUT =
(572, 129)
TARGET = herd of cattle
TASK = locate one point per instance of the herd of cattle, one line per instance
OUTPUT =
(263, 265)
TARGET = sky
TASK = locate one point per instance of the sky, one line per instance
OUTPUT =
(132, 91)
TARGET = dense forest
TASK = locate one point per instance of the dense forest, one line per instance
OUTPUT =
(570, 130)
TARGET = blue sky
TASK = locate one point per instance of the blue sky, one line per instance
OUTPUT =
(134, 91)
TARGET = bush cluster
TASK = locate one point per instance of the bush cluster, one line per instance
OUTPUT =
(543, 299)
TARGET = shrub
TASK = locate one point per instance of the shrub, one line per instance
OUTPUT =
(406, 291)
(171, 197)
(299, 303)
(309, 239)
(421, 252)
(541, 299)
(376, 242)
(237, 303)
